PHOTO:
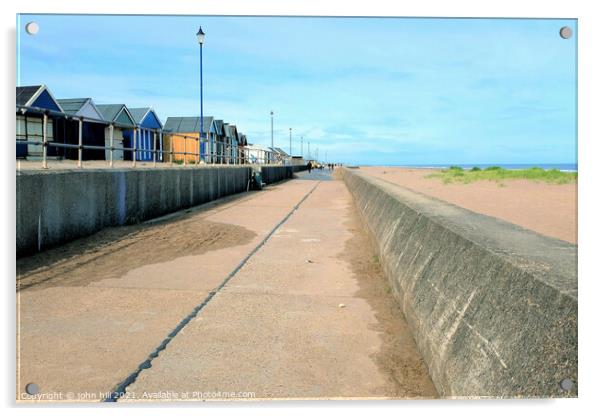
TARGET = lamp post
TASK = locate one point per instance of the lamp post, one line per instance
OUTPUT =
(272, 118)
(290, 141)
(301, 147)
(201, 38)
(309, 150)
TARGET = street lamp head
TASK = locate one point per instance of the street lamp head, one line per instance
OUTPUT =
(200, 35)
(271, 113)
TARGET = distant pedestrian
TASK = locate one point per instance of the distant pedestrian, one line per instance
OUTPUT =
(309, 166)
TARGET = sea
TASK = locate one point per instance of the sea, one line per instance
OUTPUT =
(563, 167)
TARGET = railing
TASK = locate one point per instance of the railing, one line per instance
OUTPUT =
(243, 155)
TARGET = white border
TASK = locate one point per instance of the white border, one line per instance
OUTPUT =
(590, 152)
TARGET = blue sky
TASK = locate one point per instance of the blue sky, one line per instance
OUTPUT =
(369, 91)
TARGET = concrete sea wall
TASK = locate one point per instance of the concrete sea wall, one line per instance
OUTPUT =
(54, 207)
(492, 306)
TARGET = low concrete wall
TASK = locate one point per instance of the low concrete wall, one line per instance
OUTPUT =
(493, 307)
(271, 174)
(54, 207)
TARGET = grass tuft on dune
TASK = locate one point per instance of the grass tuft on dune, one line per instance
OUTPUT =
(456, 174)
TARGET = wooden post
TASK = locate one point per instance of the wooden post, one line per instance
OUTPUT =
(111, 141)
(80, 144)
(135, 148)
(161, 154)
(198, 147)
(44, 142)
(154, 148)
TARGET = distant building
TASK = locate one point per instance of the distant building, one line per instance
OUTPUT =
(92, 128)
(148, 134)
(122, 120)
(259, 154)
(279, 156)
(32, 102)
(298, 160)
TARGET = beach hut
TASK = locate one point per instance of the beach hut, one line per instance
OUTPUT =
(242, 146)
(35, 106)
(92, 128)
(220, 141)
(238, 147)
(227, 144)
(181, 135)
(121, 121)
(148, 134)
(209, 148)
(233, 144)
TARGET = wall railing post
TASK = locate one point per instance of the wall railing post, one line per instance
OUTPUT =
(161, 154)
(111, 141)
(198, 148)
(154, 148)
(80, 143)
(170, 150)
(45, 142)
(135, 148)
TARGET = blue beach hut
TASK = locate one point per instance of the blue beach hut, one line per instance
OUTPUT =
(148, 133)
(32, 101)
(92, 127)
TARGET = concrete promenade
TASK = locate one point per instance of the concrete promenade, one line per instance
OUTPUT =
(271, 294)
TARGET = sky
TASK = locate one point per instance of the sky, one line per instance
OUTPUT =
(377, 91)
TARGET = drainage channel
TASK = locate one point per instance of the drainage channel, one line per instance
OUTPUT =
(119, 390)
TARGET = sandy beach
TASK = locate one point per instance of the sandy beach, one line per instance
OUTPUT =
(549, 209)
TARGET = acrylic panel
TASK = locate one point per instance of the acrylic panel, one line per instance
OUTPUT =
(259, 208)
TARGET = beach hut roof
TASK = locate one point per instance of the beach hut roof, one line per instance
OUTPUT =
(24, 94)
(37, 96)
(233, 131)
(187, 124)
(182, 124)
(279, 151)
(227, 131)
(110, 111)
(146, 117)
(139, 113)
(219, 124)
(207, 122)
(83, 107)
(116, 113)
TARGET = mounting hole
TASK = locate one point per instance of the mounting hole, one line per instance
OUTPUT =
(32, 388)
(32, 28)
(567, 384)
(566, 32)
